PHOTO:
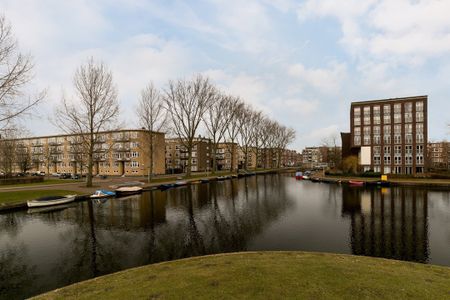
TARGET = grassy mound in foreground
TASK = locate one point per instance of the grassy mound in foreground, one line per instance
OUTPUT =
(268, 275)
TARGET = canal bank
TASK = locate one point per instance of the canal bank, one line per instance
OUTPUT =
(268, 275)
(83, 193)
(411, 182)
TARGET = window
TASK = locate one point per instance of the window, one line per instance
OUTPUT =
(387, 114)
(134, 164)
(408, 150)
(376, 114)
(376, 130)
(408, 107)
(419, 138)
(419, 128)
(408, 128)
(408, 117)
(419, 149)
(357, 140)
(366, 114)
(376, 160)
(387, 150)
(419, 106)
(419, 116)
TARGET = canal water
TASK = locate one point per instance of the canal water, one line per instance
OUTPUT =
(43, 249)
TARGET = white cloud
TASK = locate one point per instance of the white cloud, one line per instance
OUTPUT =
(252, 89)
(326, 81)
(320, 134)
(299, 107)
(401, 31)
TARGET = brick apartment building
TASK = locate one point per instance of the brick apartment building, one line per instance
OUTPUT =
(177, 155)
(439, 156)
(389, 135)
(121, 152)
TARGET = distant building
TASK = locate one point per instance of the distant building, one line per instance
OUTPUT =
(389, 135)
(120, 152)
(439, 155)
(224, 154)
(177, 155)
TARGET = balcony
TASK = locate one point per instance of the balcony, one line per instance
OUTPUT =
(121, 149)
(122, 138)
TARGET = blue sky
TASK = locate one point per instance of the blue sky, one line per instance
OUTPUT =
(301, 62)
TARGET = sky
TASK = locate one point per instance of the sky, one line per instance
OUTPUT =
(301, 62)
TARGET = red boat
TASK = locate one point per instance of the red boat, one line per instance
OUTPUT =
(356, 182)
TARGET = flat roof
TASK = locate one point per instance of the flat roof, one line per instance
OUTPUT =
(423, 97)
(77, 134)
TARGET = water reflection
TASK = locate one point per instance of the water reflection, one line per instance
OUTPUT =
(45, 249)
(391, 223)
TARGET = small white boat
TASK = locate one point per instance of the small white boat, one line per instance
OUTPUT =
(51, 200)
(128, 190)
(102, 194)
(305, 177)
(181, 182)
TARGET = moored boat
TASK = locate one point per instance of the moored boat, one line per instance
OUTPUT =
(166, 186)
(181, 182)
(356, 182)
(102, 194)
(298, 175)
(51, 200)
(128, 190)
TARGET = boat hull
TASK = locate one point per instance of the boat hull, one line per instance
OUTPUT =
(41, 203)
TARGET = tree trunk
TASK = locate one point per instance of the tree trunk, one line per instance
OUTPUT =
(90, 163)
(189, 163)
(214, 158)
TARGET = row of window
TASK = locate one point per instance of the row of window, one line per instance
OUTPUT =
(398, 160)
(387, 139)
(396, 169)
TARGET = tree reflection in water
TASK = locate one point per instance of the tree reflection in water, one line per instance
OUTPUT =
(46, 250)
(15, 271)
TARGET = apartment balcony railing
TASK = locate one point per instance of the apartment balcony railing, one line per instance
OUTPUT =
(122, 138)
(121, 149)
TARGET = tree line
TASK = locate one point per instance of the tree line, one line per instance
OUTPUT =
(182, 108)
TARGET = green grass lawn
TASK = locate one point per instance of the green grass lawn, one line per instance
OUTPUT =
(268, 275)
(21, 196)
(45, 182)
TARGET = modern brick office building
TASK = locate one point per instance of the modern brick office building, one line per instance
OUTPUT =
(389, 135)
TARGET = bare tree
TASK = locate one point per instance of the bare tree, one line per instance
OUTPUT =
(7, 155)
(257, 120)
(186, 102)
(245, 137)
(95, 110)
(153, 118)
(15, 73)
(233, 127)
(217, 119)
(283, 137)
(332, 152)
(23, 157)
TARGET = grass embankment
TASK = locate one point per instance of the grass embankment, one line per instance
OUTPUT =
(22, 196)
(268, 275)
(45, 182)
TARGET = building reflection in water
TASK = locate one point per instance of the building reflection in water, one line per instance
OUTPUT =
(390, 223)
